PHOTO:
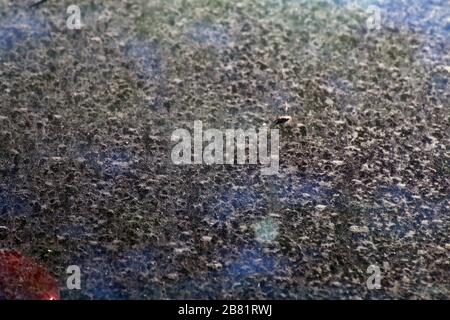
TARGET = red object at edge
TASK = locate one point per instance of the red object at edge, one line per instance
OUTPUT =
(22, 278)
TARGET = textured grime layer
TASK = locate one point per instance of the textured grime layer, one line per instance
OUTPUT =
(86, 118)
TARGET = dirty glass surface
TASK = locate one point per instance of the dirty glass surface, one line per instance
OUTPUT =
(87, 179)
